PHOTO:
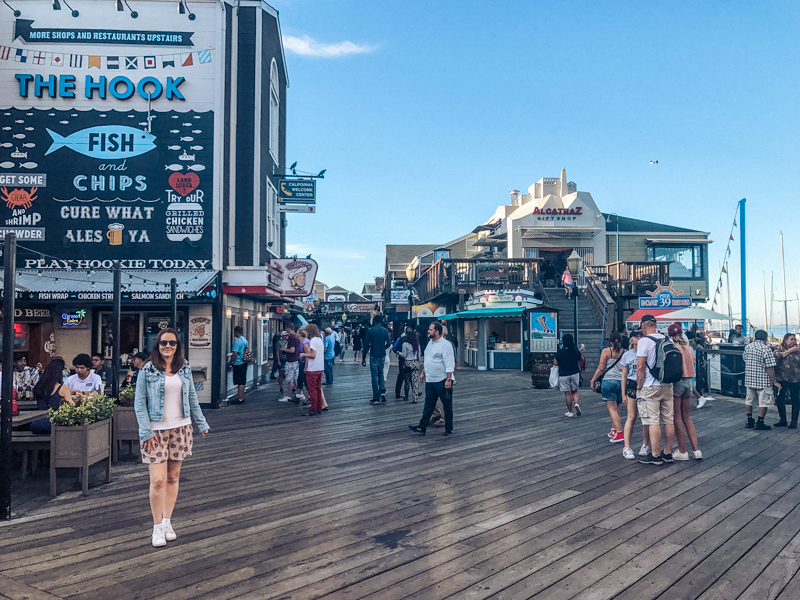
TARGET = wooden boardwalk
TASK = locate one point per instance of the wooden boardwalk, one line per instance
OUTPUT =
(520, 503)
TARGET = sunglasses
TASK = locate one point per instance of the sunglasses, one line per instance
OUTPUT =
(165, 343)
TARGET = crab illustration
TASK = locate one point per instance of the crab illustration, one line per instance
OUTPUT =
(17, 198)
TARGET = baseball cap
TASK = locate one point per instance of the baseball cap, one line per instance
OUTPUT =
(141, 355)
(284, 332)
(675, 329)
(648, 317)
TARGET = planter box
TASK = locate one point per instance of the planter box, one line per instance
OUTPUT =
(80, 447)
(540, 375)
(125, 428)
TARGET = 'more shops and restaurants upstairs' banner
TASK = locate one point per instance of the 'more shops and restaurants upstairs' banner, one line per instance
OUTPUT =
(107, 136)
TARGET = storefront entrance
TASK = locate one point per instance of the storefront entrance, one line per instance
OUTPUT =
(138, 331)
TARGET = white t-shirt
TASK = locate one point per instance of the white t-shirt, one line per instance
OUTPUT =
(318, 363)
(172, 417)
(629, 361)
(90, 384)
(647, 348)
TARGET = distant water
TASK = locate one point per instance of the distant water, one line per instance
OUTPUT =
(779, 332)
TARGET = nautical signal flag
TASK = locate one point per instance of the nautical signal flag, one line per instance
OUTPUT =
(149, 62)
(57, 60)
(39, 58)
(112, 62)
(4, 51)
(94, 61)
(131, 62)
(731, 238)
(168, 60)
(76, 60)
(204, 56)
(21, 56)
(187, 62)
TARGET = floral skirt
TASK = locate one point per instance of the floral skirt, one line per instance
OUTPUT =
(173, 444)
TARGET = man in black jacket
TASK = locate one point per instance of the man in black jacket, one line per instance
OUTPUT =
(376, 341)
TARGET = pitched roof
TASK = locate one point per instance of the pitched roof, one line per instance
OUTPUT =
(404, 254)
(628, 225)
(369, 288)
(337, 288)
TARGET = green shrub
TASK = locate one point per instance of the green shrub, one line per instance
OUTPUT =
(126, 396)
(97, 409)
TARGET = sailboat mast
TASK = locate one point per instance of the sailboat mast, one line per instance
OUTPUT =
(785, 297)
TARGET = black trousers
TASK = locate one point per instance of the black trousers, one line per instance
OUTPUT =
(783, 398)
(433, 392)
(401, 377)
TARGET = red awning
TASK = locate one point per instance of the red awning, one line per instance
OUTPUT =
(658, 313)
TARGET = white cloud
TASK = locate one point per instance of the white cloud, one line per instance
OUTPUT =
(307, 46)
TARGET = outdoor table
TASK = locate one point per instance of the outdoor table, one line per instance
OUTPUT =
(27, 416)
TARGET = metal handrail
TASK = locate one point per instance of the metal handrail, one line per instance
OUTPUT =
(599, 299)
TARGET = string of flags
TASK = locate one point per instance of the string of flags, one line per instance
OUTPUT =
(724, 269)
(119, 62)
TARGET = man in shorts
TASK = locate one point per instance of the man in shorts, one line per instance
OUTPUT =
(759, 377)
(292, 365)
(653, 398)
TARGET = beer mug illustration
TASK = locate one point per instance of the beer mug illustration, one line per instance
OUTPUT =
(114, 234)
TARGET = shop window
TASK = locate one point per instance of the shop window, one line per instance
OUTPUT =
(274, 112)
(687, 261)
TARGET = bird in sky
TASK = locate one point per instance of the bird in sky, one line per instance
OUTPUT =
(653, 162)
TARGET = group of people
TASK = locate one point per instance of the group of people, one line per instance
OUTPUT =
(772, 376)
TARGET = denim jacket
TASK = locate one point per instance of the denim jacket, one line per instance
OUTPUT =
(149, 400)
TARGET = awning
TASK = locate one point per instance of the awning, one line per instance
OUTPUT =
(661, 314)
(678, 241)
(516, 311)
(534, 233)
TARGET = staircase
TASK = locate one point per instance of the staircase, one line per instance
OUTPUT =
(590, 326)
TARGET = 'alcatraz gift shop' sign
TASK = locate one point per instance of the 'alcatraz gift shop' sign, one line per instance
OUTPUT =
(107, 139)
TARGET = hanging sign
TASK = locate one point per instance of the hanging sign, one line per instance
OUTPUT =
(665, 297)
(24, 30)
(200, 332)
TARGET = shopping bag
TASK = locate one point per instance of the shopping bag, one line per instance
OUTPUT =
(554, 377)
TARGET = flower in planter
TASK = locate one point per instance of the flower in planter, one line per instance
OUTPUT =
(89, 411)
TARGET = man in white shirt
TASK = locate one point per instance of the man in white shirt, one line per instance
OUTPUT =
(437, 372)
(83, 380)
(653, 398)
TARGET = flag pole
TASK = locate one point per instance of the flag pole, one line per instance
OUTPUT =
(743, 250)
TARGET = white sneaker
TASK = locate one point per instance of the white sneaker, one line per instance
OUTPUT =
(284, 399)
(644, 451)
(569, 414)
(677, 455)
(628, 453)
(701, 401)
(158, 537)
(697, 454)
(577, 410)
(169, 533)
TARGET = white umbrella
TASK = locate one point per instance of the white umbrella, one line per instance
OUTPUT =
(695, 313)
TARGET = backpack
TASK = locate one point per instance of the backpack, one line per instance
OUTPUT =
(337, 348)
(247, 355)
(668, 367)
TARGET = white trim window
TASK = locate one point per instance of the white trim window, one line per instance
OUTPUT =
(273, 219)
(274, 112)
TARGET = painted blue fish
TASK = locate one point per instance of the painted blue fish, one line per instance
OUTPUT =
(106, 142)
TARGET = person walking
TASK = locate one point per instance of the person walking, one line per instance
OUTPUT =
(759, 379)
(682, 393)
(165, 405)
(787, 372)
(566, 360)
(331, 339)
(238, 364)
(344, 338)
(281, 358)
(302, 367)
(376, 341)
(292, 354)
(629, 361)
(567, 282)
(609, 378)
(410, 354)
(397, 348)
(654, 398)
(315, 365)
(358, 341)
(437, 371)
(276, 356)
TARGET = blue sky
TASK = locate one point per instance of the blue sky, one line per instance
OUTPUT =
(426, 114)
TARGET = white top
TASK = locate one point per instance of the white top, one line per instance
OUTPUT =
(318, 363)
(172, 418)
(439, 360)
(647, 348)
(90, 384)
(629, 360)
(407, 352)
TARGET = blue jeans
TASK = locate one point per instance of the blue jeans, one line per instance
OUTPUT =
(329, 370)
(611, 390)
(376, 372)
(433, 392)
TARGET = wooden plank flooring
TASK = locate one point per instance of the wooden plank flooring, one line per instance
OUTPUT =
(520, 503)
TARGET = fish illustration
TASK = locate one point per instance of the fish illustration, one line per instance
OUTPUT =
(18, 154)
(7, 145)
(195, 147)
(7, 165)
(171, 130)
(173, 147)
(29, 145)
(197, 131)
(29, 129)
(19, 121)
(107, 142)
(131, 116)
(196, 167)
(64, 122)
(6, 128)
(187, 139)
(29, 165)
(176, 116)
(19, 136)
(102, 115)
(197, 116)
(7, 114)
(74, 115)
(29, 114)
(174, 167)
(51, 114)
(186, 124)
(143, 123)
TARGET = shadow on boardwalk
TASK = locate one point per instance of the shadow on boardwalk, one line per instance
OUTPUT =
(520, 503)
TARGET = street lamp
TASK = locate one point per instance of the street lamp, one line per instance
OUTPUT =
(574, 263)
(608, 220)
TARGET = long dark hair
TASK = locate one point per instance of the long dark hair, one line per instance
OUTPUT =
(177, 359)
(568, 341)
(616, 341)
(411, 338)
(53, 374)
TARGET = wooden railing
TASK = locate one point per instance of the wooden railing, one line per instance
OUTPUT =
(632, 279)
(600, 300)
(448, 276)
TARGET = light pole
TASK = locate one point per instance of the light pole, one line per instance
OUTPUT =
(608, 220)
(574, 263)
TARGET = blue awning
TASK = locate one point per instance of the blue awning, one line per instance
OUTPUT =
(515, 311)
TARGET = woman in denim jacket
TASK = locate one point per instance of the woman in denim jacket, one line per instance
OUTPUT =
(166, 403)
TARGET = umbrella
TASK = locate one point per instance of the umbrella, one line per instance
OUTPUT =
(695, 313)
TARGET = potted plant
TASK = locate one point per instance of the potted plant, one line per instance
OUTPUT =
(80, 437)
(539, 365)
(125, 428)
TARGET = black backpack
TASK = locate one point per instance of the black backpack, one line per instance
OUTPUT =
(668, 367)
